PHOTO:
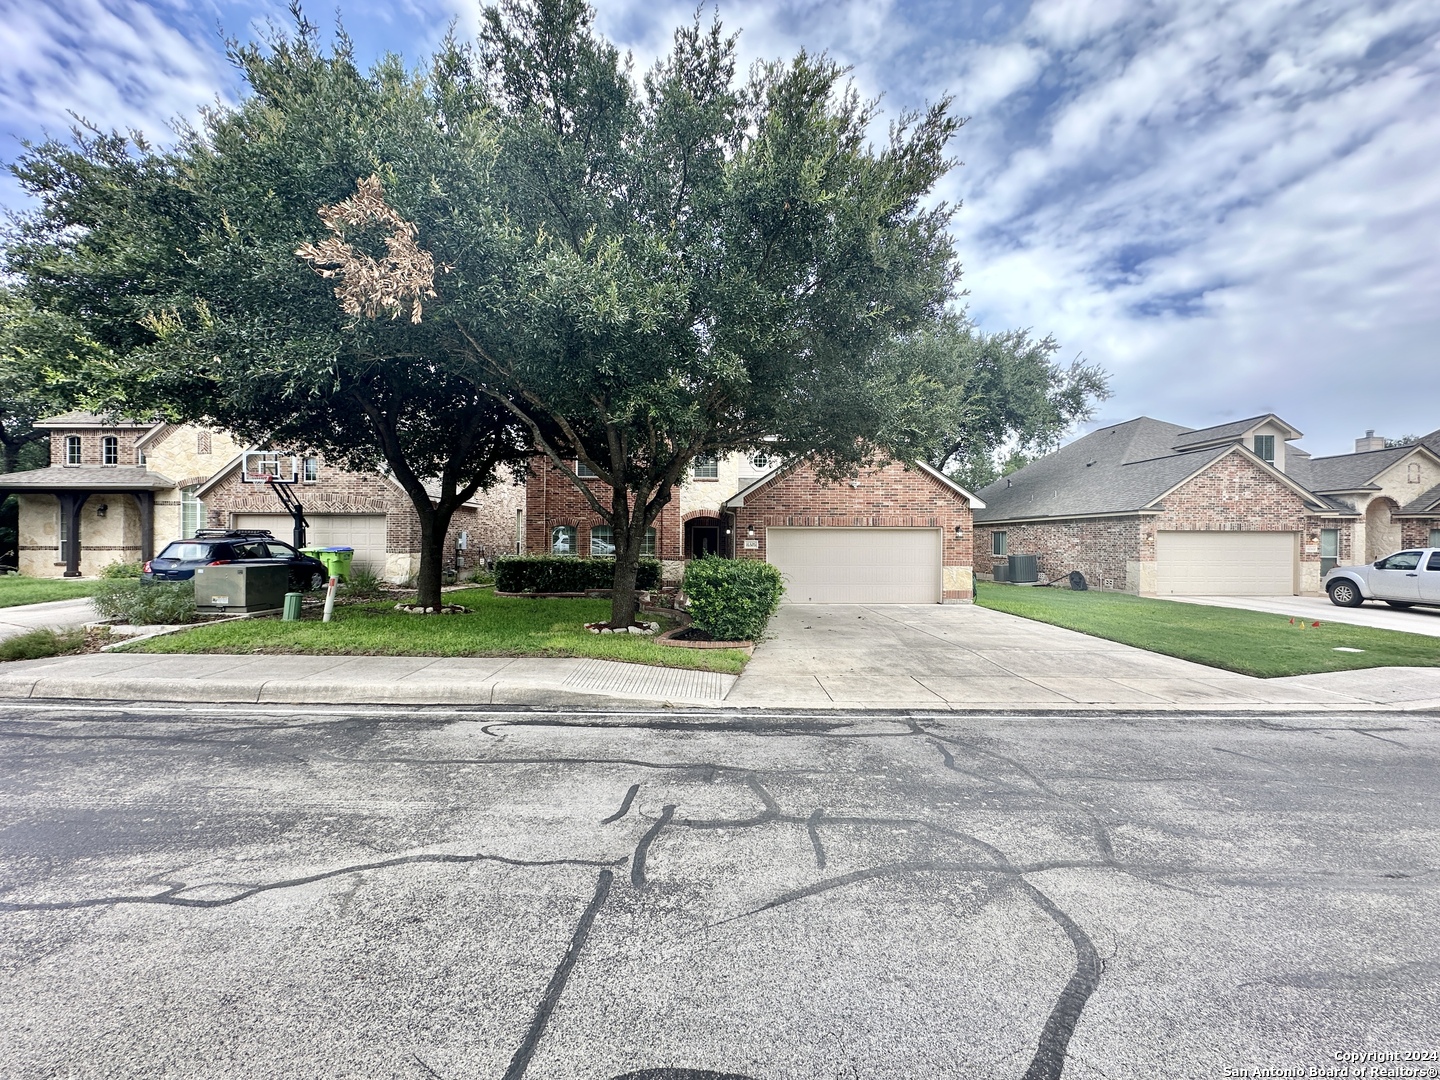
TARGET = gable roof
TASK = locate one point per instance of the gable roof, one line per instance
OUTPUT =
(1230, 432)
(1353, 472)
(1124, 468)
(78, 418)
(736, 501)
(1427, 503)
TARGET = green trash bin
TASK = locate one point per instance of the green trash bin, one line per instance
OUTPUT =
(337, 560)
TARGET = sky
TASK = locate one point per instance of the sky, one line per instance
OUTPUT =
(1233, 208)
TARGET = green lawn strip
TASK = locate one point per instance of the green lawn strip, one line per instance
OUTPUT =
(497, 626)
(1250, 642)
(15, 590)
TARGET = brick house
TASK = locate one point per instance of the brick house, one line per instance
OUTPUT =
(125, 489)
(888, 534)
(1159, 509)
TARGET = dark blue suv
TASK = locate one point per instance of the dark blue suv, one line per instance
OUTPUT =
(219, 547)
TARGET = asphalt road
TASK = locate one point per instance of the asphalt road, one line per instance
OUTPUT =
(323, 893)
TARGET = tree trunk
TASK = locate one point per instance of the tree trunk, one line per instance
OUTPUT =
(434, 524)
(623, 598)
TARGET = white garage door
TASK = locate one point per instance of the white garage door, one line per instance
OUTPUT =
(363, 532)
(1226, 563)
(857, 566)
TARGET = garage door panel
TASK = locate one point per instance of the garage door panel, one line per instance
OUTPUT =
(363, 532)
(857, 566)
(1226, 563)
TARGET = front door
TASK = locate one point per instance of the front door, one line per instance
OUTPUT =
(1397, 577)
(704, 540)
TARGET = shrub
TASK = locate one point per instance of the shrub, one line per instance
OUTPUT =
(122, 570)
(143, 604)
(38, 644)
(362, 583)
(566, 573)
(732, 599)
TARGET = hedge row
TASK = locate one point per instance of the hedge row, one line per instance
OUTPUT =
(566, 573)
(732, 599)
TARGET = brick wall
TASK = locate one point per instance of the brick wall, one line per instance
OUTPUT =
(552, 500)
(125, 437)
(1415, 532)
(886, 497)
(1100, 548)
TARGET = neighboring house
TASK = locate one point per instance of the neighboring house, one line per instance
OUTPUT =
(1160, 509)
(886, 535)
(118, 492)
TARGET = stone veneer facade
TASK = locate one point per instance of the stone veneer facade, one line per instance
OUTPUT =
(191, 456)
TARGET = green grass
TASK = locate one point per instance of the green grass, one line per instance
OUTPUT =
(38, 644)
(1250, 642)
(15, 589)
(497, 626)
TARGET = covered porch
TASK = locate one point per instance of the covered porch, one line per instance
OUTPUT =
(101, 487)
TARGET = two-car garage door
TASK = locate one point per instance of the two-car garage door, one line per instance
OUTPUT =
(363, 532)
(1226, 563)
(857, 566)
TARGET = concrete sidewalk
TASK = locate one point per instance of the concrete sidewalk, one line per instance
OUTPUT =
(356, 680)
(54, 615)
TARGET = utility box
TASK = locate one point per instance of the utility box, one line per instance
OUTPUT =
(242, 588)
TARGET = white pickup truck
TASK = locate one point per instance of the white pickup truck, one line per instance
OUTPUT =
(1402, 580)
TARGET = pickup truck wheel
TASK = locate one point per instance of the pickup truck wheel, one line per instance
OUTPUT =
(1345, 594)
(1401, 604)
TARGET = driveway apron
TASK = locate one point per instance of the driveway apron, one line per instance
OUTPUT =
(963, 656)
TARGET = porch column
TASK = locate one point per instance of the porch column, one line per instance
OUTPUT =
(145, 501)
(70, 504)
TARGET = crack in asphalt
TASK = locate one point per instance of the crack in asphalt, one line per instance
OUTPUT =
(624, 806)
(812, 826)
(172, 897)
(642, 849)
(521, 1061)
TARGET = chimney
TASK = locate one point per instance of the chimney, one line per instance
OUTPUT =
(1371, 441)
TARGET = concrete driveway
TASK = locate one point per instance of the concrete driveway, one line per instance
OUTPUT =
(56, 615)
(965, 656)
(1371, 613)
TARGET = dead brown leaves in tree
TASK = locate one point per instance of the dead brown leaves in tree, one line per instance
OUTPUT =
(392, 285)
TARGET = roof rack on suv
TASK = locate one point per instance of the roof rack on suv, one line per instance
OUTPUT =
(228, 534)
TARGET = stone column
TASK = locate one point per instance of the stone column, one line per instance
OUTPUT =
(70, 504)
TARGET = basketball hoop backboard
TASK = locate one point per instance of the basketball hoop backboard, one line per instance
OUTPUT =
(269, 466)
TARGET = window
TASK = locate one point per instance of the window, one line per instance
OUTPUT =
(1401, 560)
(648, 547)
(109, 450)
(72, 449)
(1434, 563)
(602, 540)
(584, 471)
(997, 543)
(311, 467)
(192, 512)
(139, 456)
(1329, 550)
(705, 467)
(562, 540)
(1435, 537)
(1265, 448)
(64, 534)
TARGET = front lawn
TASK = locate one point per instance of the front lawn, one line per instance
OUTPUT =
(1250, 642)
(16, 590)
(497, 626)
